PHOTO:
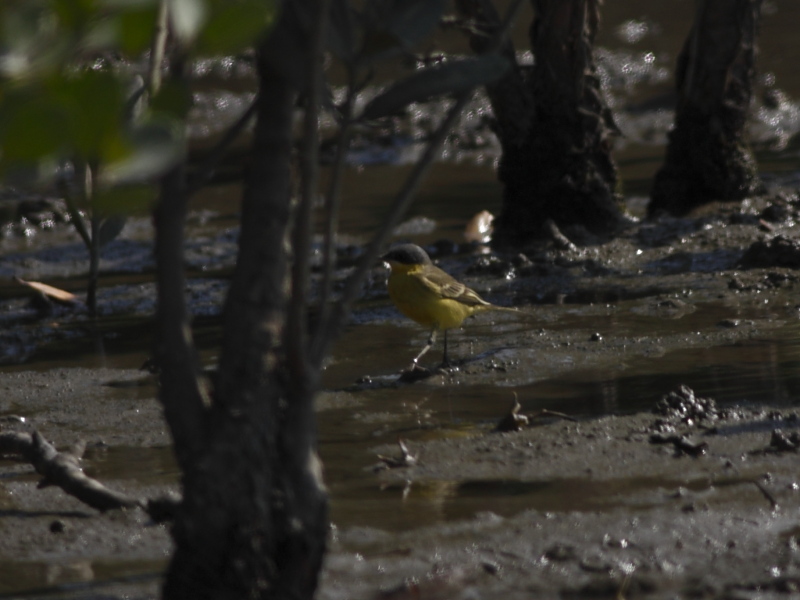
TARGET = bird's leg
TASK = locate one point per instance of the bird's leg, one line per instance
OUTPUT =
(431, 339)
(445, 360)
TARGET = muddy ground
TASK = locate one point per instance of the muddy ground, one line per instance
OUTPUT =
(687, 500)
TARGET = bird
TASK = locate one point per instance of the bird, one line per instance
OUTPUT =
(428, 295)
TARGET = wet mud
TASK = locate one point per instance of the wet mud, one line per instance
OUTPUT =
(629, 486)
(672, 494)
(612, 511)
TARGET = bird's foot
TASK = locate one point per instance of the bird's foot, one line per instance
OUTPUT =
(415, 373)
(448, 366)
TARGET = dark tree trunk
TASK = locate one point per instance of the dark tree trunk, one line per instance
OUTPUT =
(707, 157)
(253, 522)
(510, 96)
(556, 163)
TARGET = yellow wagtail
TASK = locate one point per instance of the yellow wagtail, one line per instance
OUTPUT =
(429, 296)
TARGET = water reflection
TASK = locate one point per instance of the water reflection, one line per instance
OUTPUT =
(400, 507)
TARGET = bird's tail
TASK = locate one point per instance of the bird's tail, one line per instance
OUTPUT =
(510, 309)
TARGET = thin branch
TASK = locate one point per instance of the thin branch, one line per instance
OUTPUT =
(296, 343)
(399, 207)
(94, 246)
(157, 50)
(75, 216)
(183, 393)
(204, 170)
(333, 203)
(766, 493)
(329, 328)
(63, 469)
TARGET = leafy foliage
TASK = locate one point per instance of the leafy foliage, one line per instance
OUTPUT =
(449, 78)
(69, 97)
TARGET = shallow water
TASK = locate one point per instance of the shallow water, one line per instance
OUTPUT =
(760, 370)
(746, 373)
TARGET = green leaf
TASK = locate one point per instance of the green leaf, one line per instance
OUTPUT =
(31, 126)
(393, 25)
(235, 25)
(80, 115)
(31, 40)
(94, 106)
(187, 17)
(116, 203)
(110, 228)
(173, 99)
(411, 21)
(121, 201)
(132, 5)
(156, 147)
(74, 15)
(135, 29)
(452, 77)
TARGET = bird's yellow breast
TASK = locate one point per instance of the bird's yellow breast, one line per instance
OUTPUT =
(419, 301)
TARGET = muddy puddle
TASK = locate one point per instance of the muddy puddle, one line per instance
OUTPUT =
(128, 449)
(564, 508)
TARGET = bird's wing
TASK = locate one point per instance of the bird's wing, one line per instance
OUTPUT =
(448, 287)
(470, 297)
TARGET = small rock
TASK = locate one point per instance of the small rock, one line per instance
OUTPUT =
(58, 526)
(779, 251)
(560, 553)
(729, 323)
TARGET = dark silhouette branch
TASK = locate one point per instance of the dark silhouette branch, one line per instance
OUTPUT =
(333, 202)
(203, 172)
(328, 330)
(157, 49)
(183, 390)
(297, 329)
(63, 469)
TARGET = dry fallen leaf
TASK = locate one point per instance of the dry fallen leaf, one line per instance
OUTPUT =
(55, 294)
(479, 229)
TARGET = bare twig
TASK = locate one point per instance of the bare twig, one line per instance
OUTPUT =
(183, 392)
(63, 469)
(406, 459)
(766, 493)
(204, 170)
(553, 413)
(75, 216)
(333, 203)
(297, 331)
(157, 49)
(328, 329)
(514, 420)
(94, 242)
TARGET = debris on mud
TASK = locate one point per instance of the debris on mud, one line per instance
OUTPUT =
(783, 442)
(22, 214)
(682, 406)
(514, 420)
(406, 459)
(682, 444)
(779, 251)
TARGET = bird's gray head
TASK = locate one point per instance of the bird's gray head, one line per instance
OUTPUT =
(407, 254)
